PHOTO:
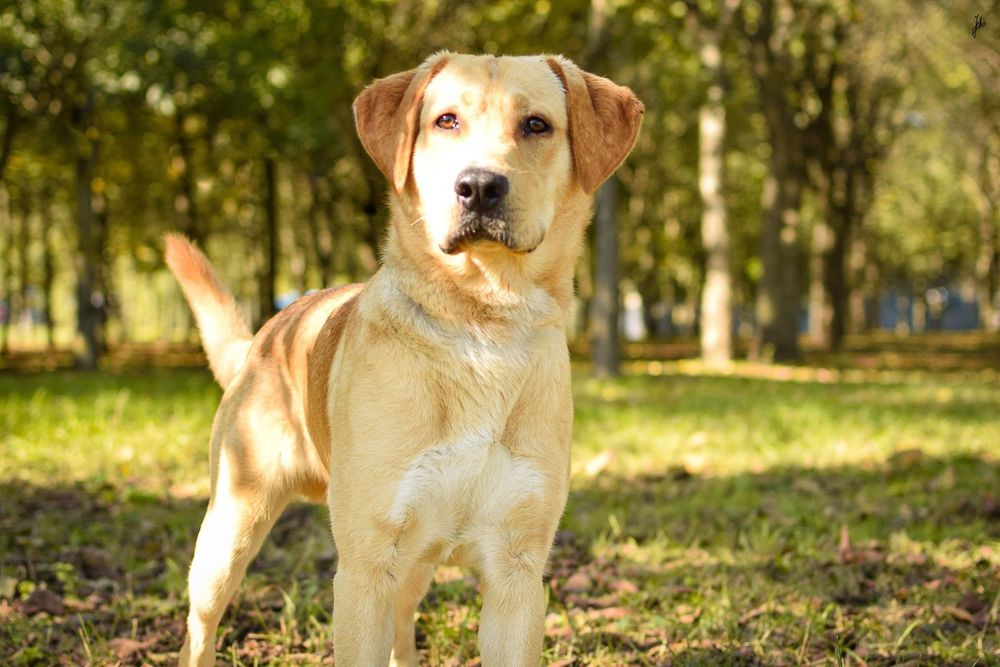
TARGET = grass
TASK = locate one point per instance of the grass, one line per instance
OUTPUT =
(843, 514)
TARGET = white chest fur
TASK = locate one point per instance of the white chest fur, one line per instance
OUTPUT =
(468, 483)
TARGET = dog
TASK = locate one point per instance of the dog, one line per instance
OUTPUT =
(431, 406)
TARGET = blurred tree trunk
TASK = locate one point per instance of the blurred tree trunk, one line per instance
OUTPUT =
(604, 305)
(857, 322)
(6, 268)
(777, 309)
(371, 233)
(86, 258)
(322, 238)
(988, 258)
(46, 222)
(820, 309)
(24, 260)
(845, 161)
(6, 149)
(105, 301)
(7, 143)
(186, 204)
(716, 297)
(714, 316)
(267, 284)
(778, 297)
(828, 287)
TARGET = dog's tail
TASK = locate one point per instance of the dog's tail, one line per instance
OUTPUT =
(225, 334)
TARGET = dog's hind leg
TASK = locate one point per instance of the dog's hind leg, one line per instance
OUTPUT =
(235, 525)
(404, 650)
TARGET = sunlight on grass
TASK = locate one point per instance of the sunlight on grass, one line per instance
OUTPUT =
(147, 429)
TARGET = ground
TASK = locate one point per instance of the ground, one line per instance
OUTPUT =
(843, 512)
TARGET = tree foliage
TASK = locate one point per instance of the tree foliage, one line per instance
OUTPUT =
(860, 151)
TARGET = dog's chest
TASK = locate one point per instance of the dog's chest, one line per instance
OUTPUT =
(471, 480)
(463, 489)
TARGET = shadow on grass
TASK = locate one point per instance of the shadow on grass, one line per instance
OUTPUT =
(892, 563)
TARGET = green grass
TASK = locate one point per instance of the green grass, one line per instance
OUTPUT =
(763, 516)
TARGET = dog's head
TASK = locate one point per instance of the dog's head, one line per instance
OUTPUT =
(482, 151)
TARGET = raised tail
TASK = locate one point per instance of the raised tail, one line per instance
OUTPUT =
(225, 334)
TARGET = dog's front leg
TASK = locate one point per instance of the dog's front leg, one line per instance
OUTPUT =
(404, 648)
(514, 553)
(511, 627)
(375, 592)
(363, 605)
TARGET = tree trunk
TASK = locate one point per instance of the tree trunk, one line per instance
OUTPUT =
(106, 301)
(85, 258)
(24, 263)
(778, 297)
(6, 270)
(48, 272)
(186, 204)
(322, 238)
(777, 308)
(267, 287)
(716, 297)
(836, 287)
(7, 142)
(988, 259)
(604, 306)
(820, 307)
(820, 244)
(828, 294)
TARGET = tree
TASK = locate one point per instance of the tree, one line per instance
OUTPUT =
(716, 296)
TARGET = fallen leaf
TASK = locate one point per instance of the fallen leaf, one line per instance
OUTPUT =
(124, 647)
(624, 586)
(42, 599)
(610, 613)
(848, 554)
(971, 603)
(959, 614)
(844, 547)
(688, 618)
(586, 602)
(757, 611)
(577, 583)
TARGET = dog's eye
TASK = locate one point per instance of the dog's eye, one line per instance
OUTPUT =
(535, 125)
(447, 121)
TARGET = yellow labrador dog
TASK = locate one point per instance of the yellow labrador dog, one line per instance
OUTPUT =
(431, 406)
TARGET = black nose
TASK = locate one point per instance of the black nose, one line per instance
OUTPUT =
(481, 191)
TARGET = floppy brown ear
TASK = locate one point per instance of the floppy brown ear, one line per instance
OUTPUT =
(604, 120)
(387, 115)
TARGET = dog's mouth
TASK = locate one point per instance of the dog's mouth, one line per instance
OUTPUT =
(473, 228)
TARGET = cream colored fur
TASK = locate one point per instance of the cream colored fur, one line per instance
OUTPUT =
(430, 406)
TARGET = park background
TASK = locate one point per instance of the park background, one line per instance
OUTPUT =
(786, 346)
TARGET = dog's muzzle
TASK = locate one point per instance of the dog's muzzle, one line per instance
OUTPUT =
(482, 195)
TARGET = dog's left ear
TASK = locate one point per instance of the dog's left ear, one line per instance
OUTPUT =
(604, 120)
(387, 115)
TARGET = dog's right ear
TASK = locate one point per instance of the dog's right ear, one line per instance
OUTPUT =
(387, 115)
